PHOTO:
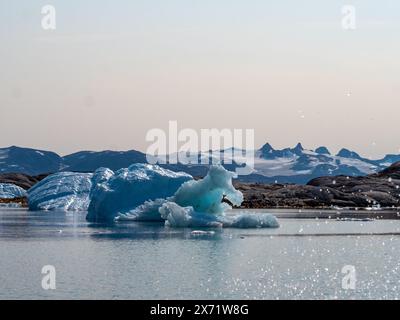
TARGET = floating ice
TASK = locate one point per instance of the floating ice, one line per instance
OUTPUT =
(148, 211)
(11, 191)
(132, 193)
(200, 204)
(66, 191)
(149, 193)
(185, 217)
(195, 203)
(250, 220)
(10, 205)
(200, 233)
(206, 195)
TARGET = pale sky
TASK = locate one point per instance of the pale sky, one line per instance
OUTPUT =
(112, 70)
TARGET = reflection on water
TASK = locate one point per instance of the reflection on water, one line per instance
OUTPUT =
(302, 259)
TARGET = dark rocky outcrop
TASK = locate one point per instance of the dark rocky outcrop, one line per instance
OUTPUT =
(343, 191)
(392, 172)
(22, 180)
(23, 202)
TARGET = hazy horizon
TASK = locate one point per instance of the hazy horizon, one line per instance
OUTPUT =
(111, 71)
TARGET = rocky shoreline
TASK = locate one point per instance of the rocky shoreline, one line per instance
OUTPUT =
(21, 202)
(380, 189)
(21, 180)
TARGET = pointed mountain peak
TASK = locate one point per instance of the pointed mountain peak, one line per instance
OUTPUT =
(298, 149)
(322, 150)
(266, 148)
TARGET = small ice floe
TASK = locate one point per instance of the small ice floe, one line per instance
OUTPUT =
(374, 207)
(11, 205)
(337, 208)
(247, 220)
(355, 219)
(201, 233)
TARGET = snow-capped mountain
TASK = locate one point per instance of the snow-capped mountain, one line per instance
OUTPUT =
(288, 165)
(300, 165)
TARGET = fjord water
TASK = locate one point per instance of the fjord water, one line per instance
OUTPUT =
(303, 259)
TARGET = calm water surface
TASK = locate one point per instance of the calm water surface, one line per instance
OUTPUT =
(303, 259)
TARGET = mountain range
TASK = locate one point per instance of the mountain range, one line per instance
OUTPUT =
(288, 165)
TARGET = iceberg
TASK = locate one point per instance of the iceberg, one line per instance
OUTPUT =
(65, 191)
(133, 193)
(185, 217)
(11, 191)
(145, 192)
(207, 195)
(203, 203)
(192, 199)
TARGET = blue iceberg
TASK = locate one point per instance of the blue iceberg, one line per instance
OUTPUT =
(65, 191)
(196, 203)
(201, 198)
(204, 203)
(11, 191)
(133, 193)
(206, 195)
(145, 192)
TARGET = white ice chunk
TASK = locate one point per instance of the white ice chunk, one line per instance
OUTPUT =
(201, 233)
(11, 191)
(206, 195)
(199, 204)
(66, 191)
(185, 217)
(250, 220)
